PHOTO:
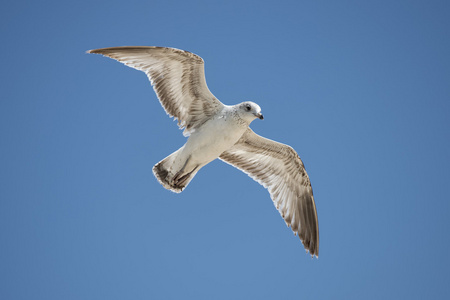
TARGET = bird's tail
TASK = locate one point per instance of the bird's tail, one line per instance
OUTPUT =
(173, 182)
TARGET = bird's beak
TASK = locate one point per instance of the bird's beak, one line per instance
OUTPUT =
(260, 116)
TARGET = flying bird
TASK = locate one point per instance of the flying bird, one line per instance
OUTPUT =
(215, 130)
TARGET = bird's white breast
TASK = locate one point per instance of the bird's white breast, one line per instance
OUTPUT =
(214, 137)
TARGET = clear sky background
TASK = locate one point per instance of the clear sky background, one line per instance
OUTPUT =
(361, 90)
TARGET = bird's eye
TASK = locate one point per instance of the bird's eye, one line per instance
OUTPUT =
(247, 107)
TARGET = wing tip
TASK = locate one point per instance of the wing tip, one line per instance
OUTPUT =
(310, 248)
(104, 50)
(185, 53)
(95, 51)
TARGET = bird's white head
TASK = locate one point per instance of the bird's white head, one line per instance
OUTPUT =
(249, 111)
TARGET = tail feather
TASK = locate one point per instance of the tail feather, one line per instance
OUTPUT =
(166, 178)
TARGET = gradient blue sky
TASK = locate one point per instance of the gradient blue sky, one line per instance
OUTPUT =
(361, 90)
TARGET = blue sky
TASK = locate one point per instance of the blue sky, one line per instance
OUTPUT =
(359, 88)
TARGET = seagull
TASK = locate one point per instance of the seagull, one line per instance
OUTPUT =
(215, 130)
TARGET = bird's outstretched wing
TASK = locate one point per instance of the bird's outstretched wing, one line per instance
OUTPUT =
(279, 169)
(178, 78)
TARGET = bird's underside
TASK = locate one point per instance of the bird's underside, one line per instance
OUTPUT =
(216, 130)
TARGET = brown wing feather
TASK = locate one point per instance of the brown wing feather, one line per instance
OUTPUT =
(178, 78)
(279, 169)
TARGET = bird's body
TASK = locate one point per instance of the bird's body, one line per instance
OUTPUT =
(204, 145)
(216, 130)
